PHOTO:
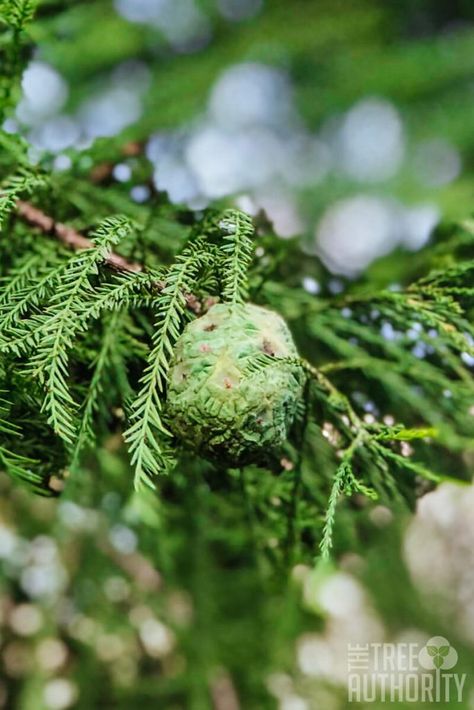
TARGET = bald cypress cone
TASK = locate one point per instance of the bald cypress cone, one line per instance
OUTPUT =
(216, 405)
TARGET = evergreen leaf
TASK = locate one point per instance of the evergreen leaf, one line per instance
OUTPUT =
(54, 329)
(147, 435)
(237, 233)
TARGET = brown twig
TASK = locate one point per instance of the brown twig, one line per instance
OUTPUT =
(69, 236)
(103, 171)
(74, 239)
(223, 693)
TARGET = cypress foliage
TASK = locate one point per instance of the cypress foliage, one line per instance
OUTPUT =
(56, 306)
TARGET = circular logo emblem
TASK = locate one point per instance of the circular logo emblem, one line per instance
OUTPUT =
(438, 653)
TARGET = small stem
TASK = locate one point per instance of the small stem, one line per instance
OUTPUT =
(290, 538)
(68, 235)
(336, 490)
(326, 384)
(74, 239)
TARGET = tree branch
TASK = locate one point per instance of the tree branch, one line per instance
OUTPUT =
(74, 239)
(69, 236)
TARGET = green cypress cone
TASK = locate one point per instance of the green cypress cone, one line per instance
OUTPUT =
(215, 406)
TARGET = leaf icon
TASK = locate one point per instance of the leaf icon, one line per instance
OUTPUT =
(438, 653)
